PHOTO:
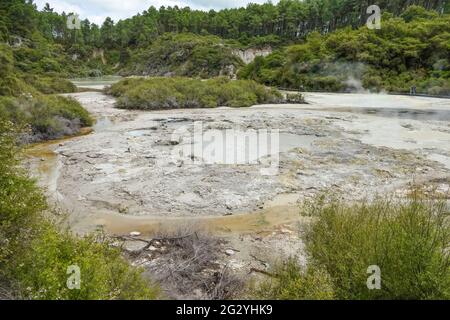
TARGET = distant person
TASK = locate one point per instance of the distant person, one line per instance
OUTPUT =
(413, 90)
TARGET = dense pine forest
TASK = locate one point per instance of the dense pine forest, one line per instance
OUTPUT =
(288, 20)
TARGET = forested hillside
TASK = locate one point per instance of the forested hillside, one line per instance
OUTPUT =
(410, 50)
(183, 54)
(48, 45)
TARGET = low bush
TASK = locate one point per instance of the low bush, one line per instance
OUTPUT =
(295, 98)
(47, 117)
(35, 254)
(408, 241)
(174, 93)
(21, 203)
(292, 282)
(51, 85)
(104, 273)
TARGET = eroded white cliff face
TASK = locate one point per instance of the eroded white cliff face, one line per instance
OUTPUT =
(249, 55)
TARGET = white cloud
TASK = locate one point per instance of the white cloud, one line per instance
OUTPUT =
(97, 10)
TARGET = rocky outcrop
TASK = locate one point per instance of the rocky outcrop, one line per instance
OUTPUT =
(229, 71)
(249, 55)
(99, 53)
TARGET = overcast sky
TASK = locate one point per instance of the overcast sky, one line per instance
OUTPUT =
(97, 10)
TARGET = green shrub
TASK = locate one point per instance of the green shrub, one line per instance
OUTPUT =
(295, 98)
(183, 54)
(417, 12)
(35, 255)
(167, 93)
(439, 90)
(292, 282)
(408, 241)
(10, 82)
(21, 203)
(6, 59)
(10, 86)
(51, 85)
(48, 117)
(105, 274)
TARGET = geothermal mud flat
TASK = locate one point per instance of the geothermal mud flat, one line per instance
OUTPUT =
(126, 176)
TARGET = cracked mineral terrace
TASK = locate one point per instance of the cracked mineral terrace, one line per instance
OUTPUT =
(122, 175)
